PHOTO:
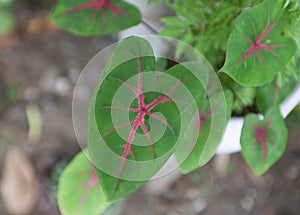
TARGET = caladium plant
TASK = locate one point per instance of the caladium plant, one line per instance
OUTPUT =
(140, 115)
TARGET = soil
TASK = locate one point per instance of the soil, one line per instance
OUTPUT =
(37, 53)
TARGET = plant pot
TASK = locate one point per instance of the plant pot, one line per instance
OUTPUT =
(232, 134)
(229, 144)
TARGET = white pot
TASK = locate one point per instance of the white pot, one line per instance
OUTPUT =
(232, 134)
(150, 12)
(229, 144)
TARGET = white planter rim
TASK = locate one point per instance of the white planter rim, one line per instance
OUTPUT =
(231, 138)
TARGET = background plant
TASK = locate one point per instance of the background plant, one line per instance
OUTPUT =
(206, 25)
(6, 16)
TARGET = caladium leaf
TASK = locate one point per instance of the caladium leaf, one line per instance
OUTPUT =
(95, 17)
(263, 142)
(256, 49)
(137, 116)
(126, 149)
(201, 130)
(79, 191)
(272, 94)
(121, 66)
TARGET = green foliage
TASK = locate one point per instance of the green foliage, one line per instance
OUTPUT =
(12, 93)
(6, 2)
(263, 142)
(9, 94)
(242, 96)
(204, 24)
(293, 6)
(96, 17)
(6, 16)
(292, 29)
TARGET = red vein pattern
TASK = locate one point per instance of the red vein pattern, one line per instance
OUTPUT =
(201, 118)
(276, 89)
(96, 5)
(92, 181)
(261, 139)
(258, 45)
(142, 110)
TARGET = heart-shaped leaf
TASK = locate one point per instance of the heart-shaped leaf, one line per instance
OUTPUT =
(263, 142)
(257, 50)
(79, 191)
(95, 17)
(139, 117)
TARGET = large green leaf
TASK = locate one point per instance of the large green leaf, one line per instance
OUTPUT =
(257, 50)
(95, 17)
(263, 142)
(122, 65)
(79, 192)
(139, 117)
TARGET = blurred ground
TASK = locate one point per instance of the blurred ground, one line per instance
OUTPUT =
(39, 66)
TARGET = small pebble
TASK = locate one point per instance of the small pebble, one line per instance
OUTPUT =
(62, 86)
(292, 172)
(247, 203)
(46, 82)
(199, 205)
